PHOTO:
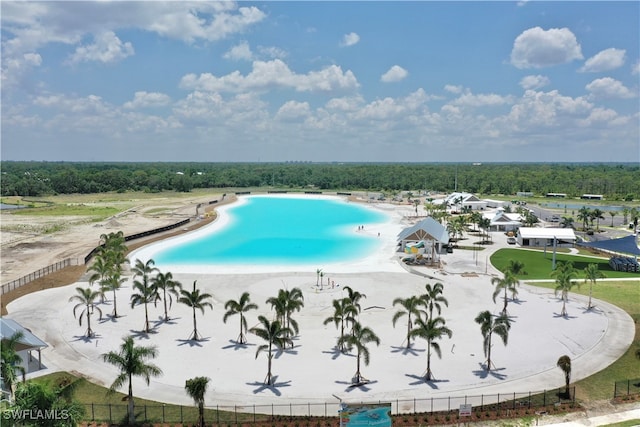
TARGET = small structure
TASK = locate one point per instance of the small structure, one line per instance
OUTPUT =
(26, 345)
(541, 237)
(464, 201)
(428, 234)
(503, 221)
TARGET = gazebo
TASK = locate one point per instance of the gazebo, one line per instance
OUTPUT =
(428, 233)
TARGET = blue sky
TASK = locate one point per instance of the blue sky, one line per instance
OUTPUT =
(321, 81)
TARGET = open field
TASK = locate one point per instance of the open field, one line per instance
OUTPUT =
(538, 264)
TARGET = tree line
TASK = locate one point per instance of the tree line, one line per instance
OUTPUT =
(613, 181)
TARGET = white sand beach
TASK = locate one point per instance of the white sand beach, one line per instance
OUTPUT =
(313, 371)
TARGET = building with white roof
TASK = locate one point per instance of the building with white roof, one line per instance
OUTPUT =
(541, 237)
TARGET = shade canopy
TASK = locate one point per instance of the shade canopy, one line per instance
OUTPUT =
(625, 245)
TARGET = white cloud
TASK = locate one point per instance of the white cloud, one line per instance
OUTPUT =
(605, 60)
(28, 26)
(534, 82)
(350, 39)
(609, 88)
(148, 99)
(106, 48)
(350, 103)
(394, 74)
(546, 110)
(272, 52)
(537, 48)
(240, 51)
(293, 110)
(482, 100)
(636, 68)
(273, 74)
(453, 88)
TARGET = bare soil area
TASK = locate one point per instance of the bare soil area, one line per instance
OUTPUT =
(27, 245)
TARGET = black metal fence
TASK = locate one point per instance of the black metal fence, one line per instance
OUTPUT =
(15, 284)
(626, 388)
(503, 404)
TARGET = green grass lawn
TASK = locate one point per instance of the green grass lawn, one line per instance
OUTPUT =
(537, 264)
(97, 212)
(103, 406)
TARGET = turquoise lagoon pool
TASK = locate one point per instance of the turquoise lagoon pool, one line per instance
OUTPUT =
(266, 230)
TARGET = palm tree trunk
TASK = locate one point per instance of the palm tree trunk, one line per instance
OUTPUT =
(146, 318)
(241, 339)
(166, 313)
(428, 374)
(269, 356)
(409, 333)
(195, 329)
(504, 309)
(590, 290)
(89, 331)
(132, 417)
(201, 414)
(489, 353)
(358, 376)
(115, 308)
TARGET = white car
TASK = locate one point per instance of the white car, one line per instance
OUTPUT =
(511, 240)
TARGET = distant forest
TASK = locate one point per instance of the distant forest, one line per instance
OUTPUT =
(614, 181)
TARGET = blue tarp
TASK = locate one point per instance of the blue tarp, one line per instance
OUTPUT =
(625, 245)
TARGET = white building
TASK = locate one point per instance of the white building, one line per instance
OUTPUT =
(541, 237)
(465, 201)
(503, 221)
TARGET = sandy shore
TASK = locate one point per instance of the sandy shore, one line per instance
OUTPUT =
(313, 371)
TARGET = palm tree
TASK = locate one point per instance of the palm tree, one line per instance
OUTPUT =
(146, 294)
(564, 363)
(584, 213)
(592, 274)
(433, 298)
(131, 360)
(113, 283)
(431, 330)
(10, 361)
(507, 283)
(165, 282)
(359, 338)
(47, 398)
(285, 304)
(566, 222)
(195, 299)
(489, 325)
(411, 307)
(102, 271)
(597, 214)
(343, 312)
(196, 389)
(86, 297)
(564, 275)
(239, 307)
(354, 297)
(318, 271)
(275, 335)
(612, 214)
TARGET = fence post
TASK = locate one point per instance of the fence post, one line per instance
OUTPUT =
(181, 417)
(254, 413)
(235, 411)
(414, 405)
(110, 420)
(145, 412)
(544, 398)
(163, 405)
(514, 400)
(93, 414)
(217, 415)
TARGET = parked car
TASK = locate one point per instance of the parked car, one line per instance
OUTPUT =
(511, 240)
